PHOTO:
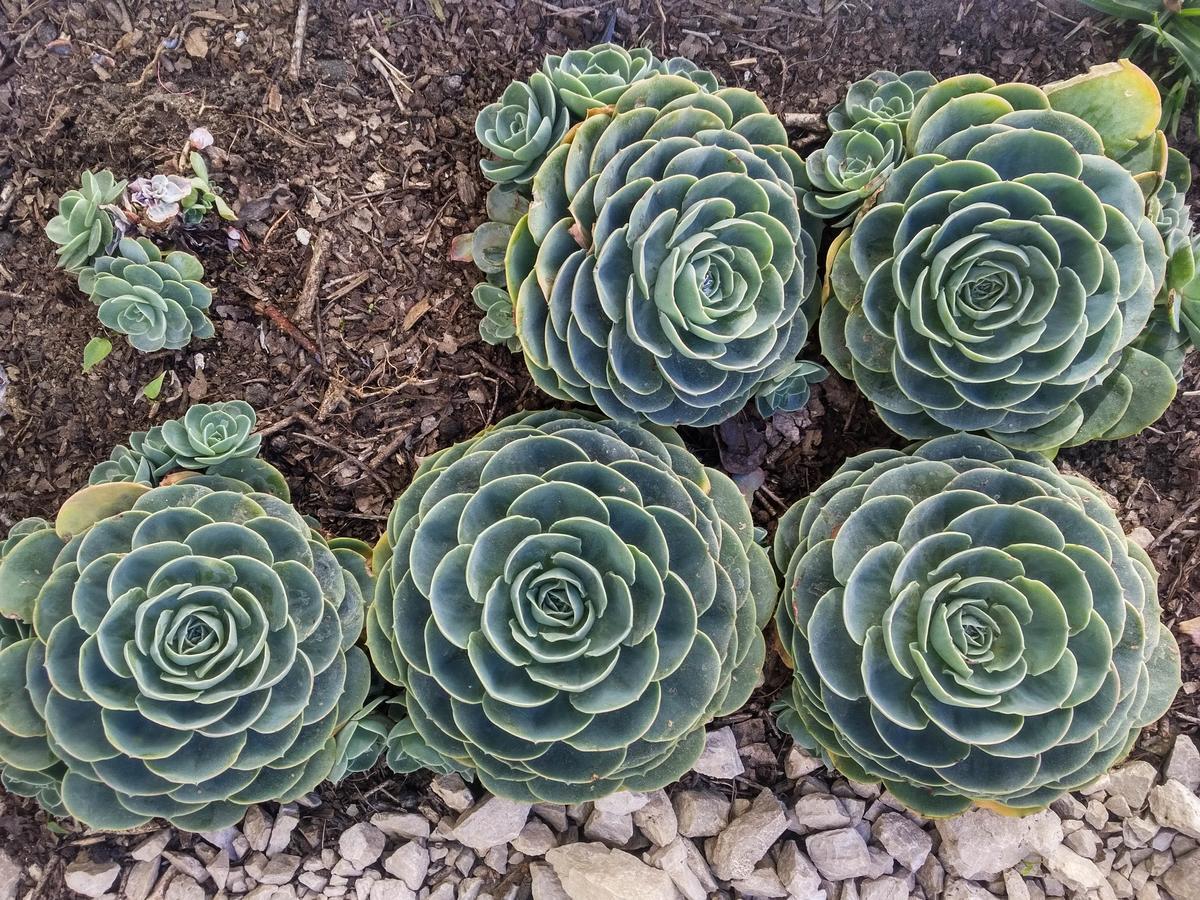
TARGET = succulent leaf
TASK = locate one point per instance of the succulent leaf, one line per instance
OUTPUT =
(968, 626)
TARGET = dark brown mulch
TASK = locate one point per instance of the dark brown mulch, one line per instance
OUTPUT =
(380, 166)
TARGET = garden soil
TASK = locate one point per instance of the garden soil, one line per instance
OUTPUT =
(339, 314)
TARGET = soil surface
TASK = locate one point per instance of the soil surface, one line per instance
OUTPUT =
(370, 359)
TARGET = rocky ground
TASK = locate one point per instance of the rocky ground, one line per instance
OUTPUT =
(1132, 834)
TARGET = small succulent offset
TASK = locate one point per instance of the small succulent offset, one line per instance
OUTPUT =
(214, 439)
(1002, 277)
(83, 228)
(567, 602)
(845, 175)
(881, 97)
(160, 195)
(192, 653)
(968, 626)
(158, 302)
(663, 271)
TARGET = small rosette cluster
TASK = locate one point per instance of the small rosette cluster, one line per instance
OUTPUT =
(663, 271)
(1000, 280)
(215, 439)
(192, 653)
(567, 602)
(83, 228)
(968, 625)
(158, 302)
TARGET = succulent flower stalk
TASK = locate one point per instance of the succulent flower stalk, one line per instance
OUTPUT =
(968, 626)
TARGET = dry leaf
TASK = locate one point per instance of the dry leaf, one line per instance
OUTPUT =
(414, 314)
(1191, 628)
(196, 43)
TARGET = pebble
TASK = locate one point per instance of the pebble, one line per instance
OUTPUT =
(657, 819)
(796, 871)
(839, 854)
(797, 764)
(593, 871)
(1174, 806)
(1183, 878)
(613, 828)
(981, 843)
(153, 846)
(700, 813)
(92, 879)
(535, 839)
(748, 838)
(492, 821)
(1183, 763)
(409, 863)
(907, 842)
(453, 791)
(10, 876)
(401, 826)
(820, 812)
(545, 883)
(361, 844)
(720, 758)
(256, 826)
(1132, 782)
(673, 859)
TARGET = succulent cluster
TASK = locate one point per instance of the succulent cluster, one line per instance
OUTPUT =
(567, 602)
(156, 301)
(214, 439)
(192, 653)
(967, 625)
(83, 228)
(1002, 276)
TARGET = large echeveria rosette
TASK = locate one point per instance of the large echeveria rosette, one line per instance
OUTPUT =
(663, 271)
(1001, 279)
(968, 625)
(193, 653)
(567, 603)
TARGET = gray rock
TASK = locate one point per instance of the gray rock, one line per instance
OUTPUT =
(820, 812)
(492, 821)
(657, 820)
(1084, 841)
(881, 861)
(218, 869)
(1183, 763)
(1015, 887)
(553, 814)
(184, 887)
(797, 764)
(402, 826)
(152, 846)
(612, 828)
(256, 826)
(886, 887)
(10, 876)
(839, 854)
(673, 859)
(453, 791)
(622, 802)
(908, 844)
(981, 843)
(545, 883)
(720, 757)
(762, 882)
(1132, 782)
(700, 813)
(361, 844)
(958, 889)
(797, 872)
(931, 877)
(748, 838)
(1174, 806)
(1076, 873)
(535, 839)
(277, 870)
(410, 863)
(1183, 878)
(286, 820)
(138, 883)
(596, 872)
(92, 879)
(388, 889)
(1068, 807)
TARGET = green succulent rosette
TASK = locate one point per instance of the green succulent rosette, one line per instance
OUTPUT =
(567, 602)
(663, 271)
(193, 653)
(968, 626)
(1001, 279)
(882, 96)
(850, 170)
(83, 228)
(685, 68)
(598, 76)
(158, 302)
(520, 129)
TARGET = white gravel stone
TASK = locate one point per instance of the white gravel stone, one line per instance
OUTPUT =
(700, 813)
(622, 802)
(453, 791)
(218, 869)
(839, 854)
(762, 882)
(138, 883)
(981, 843)
(906, 841)
(491, 821)
(402, 826)
(1132, 782)
(1015, 887)
(748, 838)
(389, 889)
(1174, 806)
(277, 870)
(1183, 764)
(1183, 878)
(256, 826)
(958, 889)
(1076, 873)
(673, 859)
(151, 847)
(535, 839)
(596, 872)
(797, 872)
(361, 844)
(720, 758)
(92, 879)
(821, 812)
(410, 863)
(657, 820)
(553, 814)
(184, 887)
(797, 764)
(886, 887)
(546, 885)
(10, 876)
(612, 828)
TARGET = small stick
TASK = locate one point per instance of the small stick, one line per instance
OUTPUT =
(287, 326)
(306, 306)
(806, 121)
(298, 39)
(1184, 517)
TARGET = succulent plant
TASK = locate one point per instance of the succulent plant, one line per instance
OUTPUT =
(193, 653)
(663, 271)
(157, 302)
(847, 173)
(968, 625)
(215, 439)
(13, 629)
(83, 229)
(363, 740)
(497, 326)
(1000, 280)
(566, 603)
(597, 77)
(685, 68)
(881, 97)
(521, 128)
(160, 195)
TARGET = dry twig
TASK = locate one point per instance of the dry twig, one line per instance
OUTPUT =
(306, 306)
(298, 40)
